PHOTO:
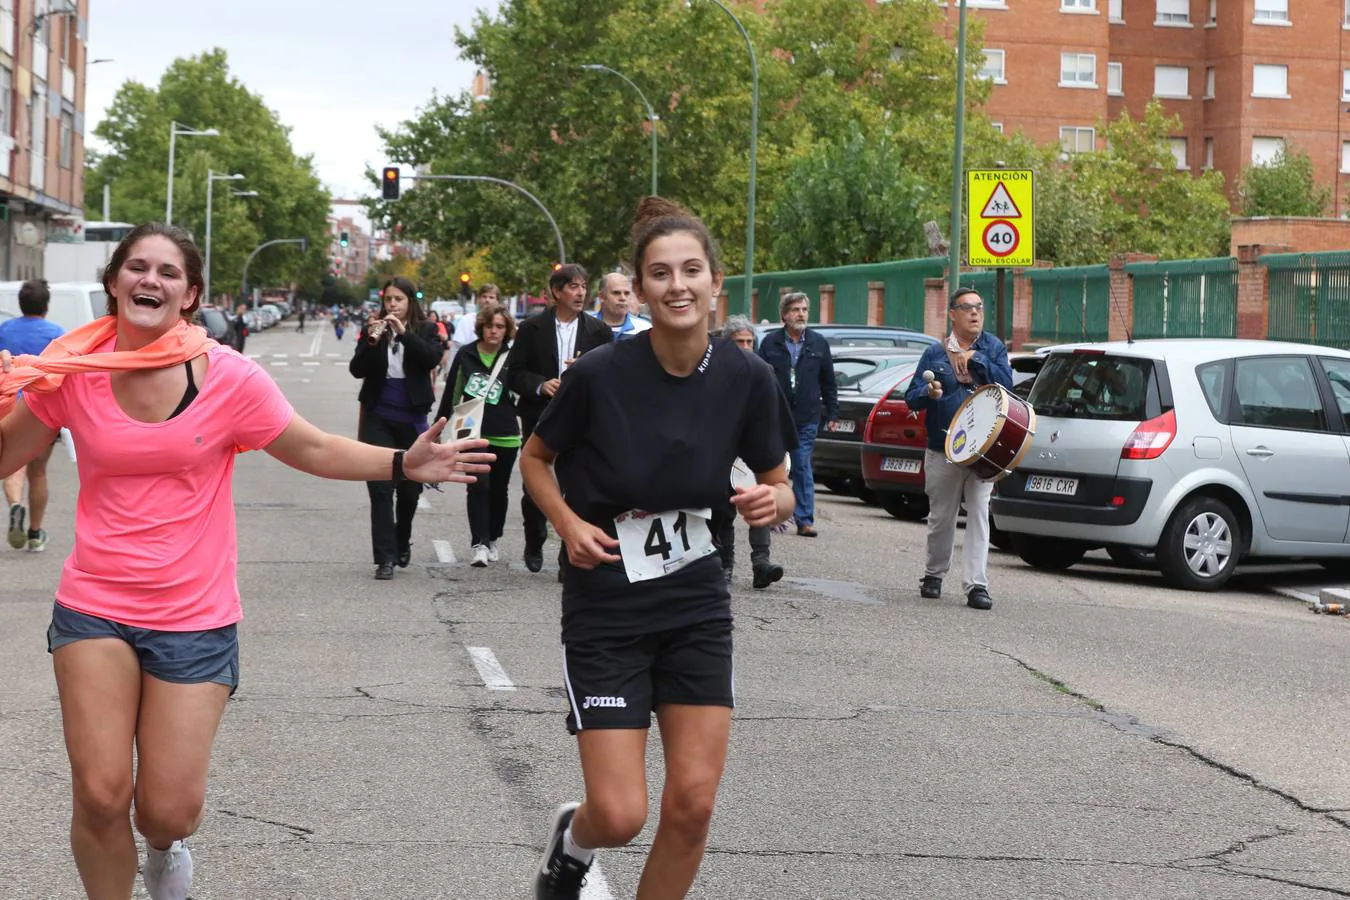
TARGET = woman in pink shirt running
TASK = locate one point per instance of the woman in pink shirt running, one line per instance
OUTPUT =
(143, 629)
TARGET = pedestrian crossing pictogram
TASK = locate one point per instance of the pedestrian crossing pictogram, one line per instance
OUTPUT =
(1000, 205)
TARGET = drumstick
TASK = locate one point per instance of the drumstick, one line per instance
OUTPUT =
(928, 375)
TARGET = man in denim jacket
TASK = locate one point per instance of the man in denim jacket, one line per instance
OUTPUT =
(969, 358)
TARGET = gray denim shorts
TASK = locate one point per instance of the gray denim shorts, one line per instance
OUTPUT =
(180, 657)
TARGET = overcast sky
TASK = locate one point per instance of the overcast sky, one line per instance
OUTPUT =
(331, 69)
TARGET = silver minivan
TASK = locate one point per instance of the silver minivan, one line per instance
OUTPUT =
(1185, 454)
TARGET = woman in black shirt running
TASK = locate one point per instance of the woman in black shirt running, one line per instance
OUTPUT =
(642, 434)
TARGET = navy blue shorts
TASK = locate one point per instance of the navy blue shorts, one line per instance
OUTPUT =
(180, 657)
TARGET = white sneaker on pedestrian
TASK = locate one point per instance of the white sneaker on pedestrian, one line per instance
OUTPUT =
(480, 556)
(168, 873)
(493, 556)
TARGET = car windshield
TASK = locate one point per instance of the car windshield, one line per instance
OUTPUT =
(98, 303)
(879, 382)
(1093, 386)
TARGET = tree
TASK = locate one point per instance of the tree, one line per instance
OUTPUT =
(577, 139)
(851, 199)
(1286, 186)
(199, 92)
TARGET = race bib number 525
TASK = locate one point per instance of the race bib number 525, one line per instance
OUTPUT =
(656, 544)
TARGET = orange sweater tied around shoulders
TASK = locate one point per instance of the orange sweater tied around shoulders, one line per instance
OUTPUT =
(73, 353)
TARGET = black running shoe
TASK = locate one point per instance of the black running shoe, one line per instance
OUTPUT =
(18, 535)
(766, 574)
(560, 877)
(930, 588)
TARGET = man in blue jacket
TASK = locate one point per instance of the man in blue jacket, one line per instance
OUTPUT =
(801, 360)
(968, 359)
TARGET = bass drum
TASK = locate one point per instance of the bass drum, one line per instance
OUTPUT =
(991, 432)
(742, 477)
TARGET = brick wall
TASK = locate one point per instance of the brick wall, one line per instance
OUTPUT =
(1290, 234)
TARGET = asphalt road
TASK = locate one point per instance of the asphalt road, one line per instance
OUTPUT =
(1096, 735)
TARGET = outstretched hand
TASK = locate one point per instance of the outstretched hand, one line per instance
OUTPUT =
(429, 461)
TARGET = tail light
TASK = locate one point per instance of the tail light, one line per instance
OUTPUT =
(1151, 438)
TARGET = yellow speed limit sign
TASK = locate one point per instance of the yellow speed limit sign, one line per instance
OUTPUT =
(1001, 216)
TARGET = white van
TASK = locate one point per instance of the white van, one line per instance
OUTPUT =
(74, 303)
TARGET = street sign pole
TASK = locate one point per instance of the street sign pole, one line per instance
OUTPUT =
(1001, 285)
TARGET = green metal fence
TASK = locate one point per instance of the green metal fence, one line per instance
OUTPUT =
(1308, 295)
(1070, 304)
(986, 282)
(1189, 298)
(903, 280)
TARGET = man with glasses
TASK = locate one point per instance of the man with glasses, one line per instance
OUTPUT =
(545, 346)
(969, 358)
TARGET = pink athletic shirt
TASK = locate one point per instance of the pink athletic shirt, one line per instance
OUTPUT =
(155, 543)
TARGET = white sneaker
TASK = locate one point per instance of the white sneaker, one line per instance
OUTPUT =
(168, 873)
(492, 551)
(480, 556)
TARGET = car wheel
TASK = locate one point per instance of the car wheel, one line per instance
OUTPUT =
(1200, 546)
(1051, 554)
(865, 494)
(1131, 557)
(1339, 567)
(910, 507)
(836, 485)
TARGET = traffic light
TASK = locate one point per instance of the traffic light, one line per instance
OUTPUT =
(465, 282)
(344, 238)
(557, 266)
(389, 183)
(419, 294)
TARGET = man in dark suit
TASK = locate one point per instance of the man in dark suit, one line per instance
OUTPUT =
(545, 346)
(801, 359)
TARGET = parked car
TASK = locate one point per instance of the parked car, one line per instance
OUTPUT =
(835, 460)
(219, 326)
(73, 303)
(853, 336)
(1199, 452)
(852, 365)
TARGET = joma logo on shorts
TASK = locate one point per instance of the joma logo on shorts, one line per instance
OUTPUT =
(591, 702)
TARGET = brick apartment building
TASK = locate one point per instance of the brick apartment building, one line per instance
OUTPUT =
(43, 55)
(1246, 77)
(353, 261)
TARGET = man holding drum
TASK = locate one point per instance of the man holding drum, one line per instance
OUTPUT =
(947, 374)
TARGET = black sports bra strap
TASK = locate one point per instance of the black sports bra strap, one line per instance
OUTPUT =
(188, 395)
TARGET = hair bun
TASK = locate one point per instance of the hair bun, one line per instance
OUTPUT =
(652, 208)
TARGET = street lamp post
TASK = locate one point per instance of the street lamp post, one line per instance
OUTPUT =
(243, 286)
(958, 153)
(651, 114)
(174, 131)
(754, 146)
(211, 179)
(562, 252)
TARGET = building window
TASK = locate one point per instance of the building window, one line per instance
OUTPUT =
(1345, 84)
(1173, 12)
(1213, 13)
(1270, 81)
(998, 126)
(990, 4)
(1115, 79)
(1078, 5)
(1265, 149)
(1077, 139)
(1345, 156)
(6, 103)
(37, 177)
(993, 66)
(1209, 154)
(1347, 13)
(1078, 70)
(1115, 10)
(1172, 81)
(1209, 82)
(67, 140)
(1178, 146)
(1272, 12)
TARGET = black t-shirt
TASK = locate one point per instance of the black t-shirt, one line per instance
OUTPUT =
(631, 436)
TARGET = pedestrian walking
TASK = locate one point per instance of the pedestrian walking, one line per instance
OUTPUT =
(616, 296)
(476, 374)
(301, 316)
(969, 358)
(801, 359)
(642, 434)
(442, 335)
(143, 633)
(339, 324)
(764, 571)
(29, 334)
(466, 327)
(396, 352)
(546, 345)
(240, 327)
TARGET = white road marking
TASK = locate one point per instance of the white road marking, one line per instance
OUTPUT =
(280, 355)
(491, 671)
(315, 363)
(254, 355)
(444, 552)
(314, 346)
(333, 355)
(280, 362)
(339, 363)
(422, 502)
(596, 887)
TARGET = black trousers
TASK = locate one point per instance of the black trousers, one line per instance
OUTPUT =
(390, 520)
(487, 498)
(536, 523)
(724, 538)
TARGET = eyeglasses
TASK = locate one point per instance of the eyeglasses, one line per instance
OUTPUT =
(969, 307)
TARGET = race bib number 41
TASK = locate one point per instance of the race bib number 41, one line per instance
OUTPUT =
(656, 544)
